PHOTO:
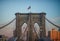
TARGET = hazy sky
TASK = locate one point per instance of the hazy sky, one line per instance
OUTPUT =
(8, 8)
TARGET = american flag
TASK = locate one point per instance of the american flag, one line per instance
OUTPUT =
(29, 7)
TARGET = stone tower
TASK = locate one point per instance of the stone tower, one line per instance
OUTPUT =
(30, 19)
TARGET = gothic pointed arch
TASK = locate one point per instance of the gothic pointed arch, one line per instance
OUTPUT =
(30, 19)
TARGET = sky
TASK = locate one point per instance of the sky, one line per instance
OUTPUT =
(8, 8)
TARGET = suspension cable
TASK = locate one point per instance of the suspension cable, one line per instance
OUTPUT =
(7, 24)
(36, 33)
(26, 30)
(52, 23)
(23, 33)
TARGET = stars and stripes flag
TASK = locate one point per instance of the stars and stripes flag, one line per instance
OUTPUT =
(29, 7)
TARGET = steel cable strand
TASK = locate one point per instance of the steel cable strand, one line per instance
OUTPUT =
(23, 33)
(52, 23)
(7, 24)
(36, 33)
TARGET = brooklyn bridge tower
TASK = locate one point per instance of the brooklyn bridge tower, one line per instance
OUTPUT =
(30, 19)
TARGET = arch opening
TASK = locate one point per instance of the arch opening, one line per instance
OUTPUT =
(24, 26)
(37, 29)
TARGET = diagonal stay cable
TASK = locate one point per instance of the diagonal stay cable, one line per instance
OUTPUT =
(23, 33)
(52, 23)
(7, 24)
(36, 33)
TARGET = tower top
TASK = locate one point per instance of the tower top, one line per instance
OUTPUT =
(43, 13)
